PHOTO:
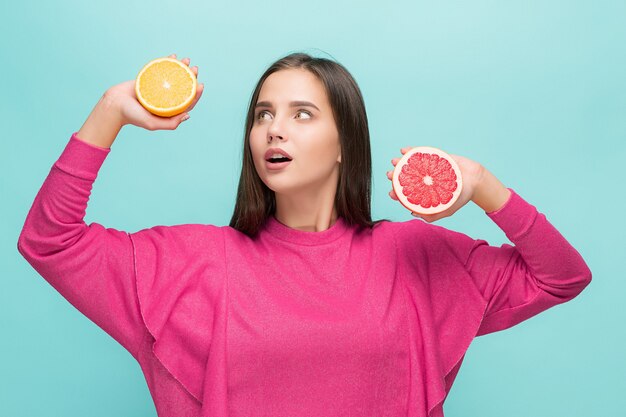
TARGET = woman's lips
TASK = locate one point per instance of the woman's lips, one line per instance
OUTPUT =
(276, 165)
(272, 151)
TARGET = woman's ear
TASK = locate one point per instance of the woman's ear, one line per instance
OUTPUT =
(339, 158)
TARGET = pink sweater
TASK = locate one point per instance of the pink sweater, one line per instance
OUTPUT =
(344, 322)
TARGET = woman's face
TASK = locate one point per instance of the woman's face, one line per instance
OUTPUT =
(293, 113)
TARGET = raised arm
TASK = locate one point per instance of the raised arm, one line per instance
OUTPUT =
(517, 281)
(89, 265)
(540, 270)
(92, 266)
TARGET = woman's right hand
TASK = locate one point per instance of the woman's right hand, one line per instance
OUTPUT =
(132, 112)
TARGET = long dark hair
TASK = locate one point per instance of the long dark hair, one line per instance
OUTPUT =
(256, 202)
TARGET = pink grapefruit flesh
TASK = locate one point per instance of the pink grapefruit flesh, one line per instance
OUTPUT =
(427, 180)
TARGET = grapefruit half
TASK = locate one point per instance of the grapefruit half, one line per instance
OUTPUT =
(427, 180)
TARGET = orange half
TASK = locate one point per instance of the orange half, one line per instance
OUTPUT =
(166, 87)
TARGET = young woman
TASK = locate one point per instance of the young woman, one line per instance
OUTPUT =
(302, 306)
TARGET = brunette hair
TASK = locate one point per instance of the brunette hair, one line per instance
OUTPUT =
(256, 202)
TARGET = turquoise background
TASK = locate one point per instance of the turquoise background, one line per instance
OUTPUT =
(533, 90)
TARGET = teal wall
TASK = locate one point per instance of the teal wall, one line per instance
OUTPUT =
(533, 90)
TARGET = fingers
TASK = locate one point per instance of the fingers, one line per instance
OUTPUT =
(166, 123)
(184, 116)
(174, 56)
(392, 193)
(428, 218)
(187, 61)
(200, 87)
(174, 122)
(394, 161)
(193, 69)
(199, 92)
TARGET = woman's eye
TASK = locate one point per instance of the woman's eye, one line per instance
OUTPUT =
(262, 113)
(305, 112)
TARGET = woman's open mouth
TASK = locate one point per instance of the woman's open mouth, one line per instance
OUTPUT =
(277, 163)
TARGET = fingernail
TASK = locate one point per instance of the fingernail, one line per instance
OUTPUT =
(185, 117)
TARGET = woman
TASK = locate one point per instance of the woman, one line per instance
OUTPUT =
(302, 306)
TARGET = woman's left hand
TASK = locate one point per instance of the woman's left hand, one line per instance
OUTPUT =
(471, 173)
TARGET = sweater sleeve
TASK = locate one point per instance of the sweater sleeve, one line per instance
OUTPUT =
(541, 270)
(91, 266)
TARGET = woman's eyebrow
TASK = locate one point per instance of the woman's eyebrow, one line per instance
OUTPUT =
(297, 103)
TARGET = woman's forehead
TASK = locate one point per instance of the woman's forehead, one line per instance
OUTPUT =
(285, 86)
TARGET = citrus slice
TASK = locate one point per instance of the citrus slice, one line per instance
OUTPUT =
(165, 87)
(427, 180)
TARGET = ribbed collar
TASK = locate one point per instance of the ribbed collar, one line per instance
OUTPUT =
(301, 237)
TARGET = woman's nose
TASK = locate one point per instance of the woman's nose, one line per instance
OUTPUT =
(274, 131)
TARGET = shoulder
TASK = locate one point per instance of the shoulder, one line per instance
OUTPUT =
(168, 258)
(181, 238)
(418, 237)
(199, 237)
(181, 230)
(403, 232)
